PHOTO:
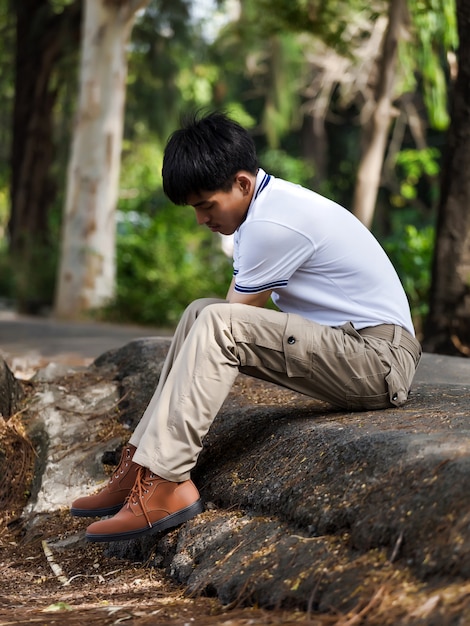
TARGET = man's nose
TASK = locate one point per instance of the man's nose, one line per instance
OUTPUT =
(201, 217)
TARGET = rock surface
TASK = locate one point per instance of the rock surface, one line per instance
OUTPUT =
(307, 506)
(71, 432)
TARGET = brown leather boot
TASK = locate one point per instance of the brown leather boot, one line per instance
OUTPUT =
(154, 504)
(111, 498)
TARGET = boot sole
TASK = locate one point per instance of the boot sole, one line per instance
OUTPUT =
(175, 519)
(112, 510)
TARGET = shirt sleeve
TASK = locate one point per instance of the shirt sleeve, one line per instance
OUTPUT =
(267, 255)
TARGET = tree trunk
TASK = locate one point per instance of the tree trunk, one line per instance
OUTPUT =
(370, 166)
(87, 265)
(11, 392)
(315, 146)
(448, 325)
(40, 37)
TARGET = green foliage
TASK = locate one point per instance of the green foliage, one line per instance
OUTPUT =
(29, 280)
(281, 109)
(237, 112)
(266, 74)
(161, 40)
(411, 244)
(57, 6)
(412, 165)
(165, 262)
(339, 23)
(196, 83)
(283, 165)
(410, 251)
(435, 34)
(164, 259)
(4, 212)
(140, 174)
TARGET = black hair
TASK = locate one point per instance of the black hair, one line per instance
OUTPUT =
(204, 155)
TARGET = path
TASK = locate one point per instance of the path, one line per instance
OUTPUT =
(28, 342)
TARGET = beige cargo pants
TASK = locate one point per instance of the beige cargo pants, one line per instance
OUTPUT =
(216, 340)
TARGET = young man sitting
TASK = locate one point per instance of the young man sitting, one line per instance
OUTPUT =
(343, 332)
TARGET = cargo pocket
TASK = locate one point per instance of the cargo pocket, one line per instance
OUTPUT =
(297, 344)
(397, 388)
(259, 337)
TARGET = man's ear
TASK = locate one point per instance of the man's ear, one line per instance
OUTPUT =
(245, 182)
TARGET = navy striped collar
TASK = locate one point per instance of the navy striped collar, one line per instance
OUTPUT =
(263, 184)
(262, 180)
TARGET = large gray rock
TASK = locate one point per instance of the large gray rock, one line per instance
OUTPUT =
(136, 368)
(72, 426)
(321, 502)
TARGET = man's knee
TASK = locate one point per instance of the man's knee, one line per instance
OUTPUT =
(214, 309)
(196, 306)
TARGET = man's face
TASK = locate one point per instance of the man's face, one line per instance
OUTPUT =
(224, 211)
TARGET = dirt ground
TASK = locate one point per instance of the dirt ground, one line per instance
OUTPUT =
(50, 575)
(88, 586)
(43, 584)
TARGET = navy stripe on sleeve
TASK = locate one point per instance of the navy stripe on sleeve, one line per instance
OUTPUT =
(259, 288)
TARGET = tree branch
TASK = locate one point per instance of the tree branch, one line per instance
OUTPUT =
(128, 7)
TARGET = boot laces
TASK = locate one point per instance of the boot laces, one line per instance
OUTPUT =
(123, 464)
(143, 482)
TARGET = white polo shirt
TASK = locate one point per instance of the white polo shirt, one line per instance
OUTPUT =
(318, 259)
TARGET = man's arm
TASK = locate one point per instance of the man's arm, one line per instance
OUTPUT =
(255, 299)
(230, 289)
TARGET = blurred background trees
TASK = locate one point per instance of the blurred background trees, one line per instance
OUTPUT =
(87, 268)
(39, 48)
(351, 98)
(447, 325)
